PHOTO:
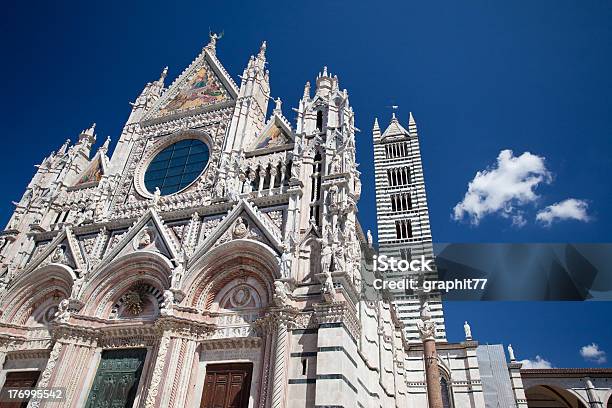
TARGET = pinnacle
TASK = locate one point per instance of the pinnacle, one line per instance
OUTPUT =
(411, 120)
(91, 130)
(163, 75)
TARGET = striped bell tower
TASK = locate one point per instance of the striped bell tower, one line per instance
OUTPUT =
(403, 217)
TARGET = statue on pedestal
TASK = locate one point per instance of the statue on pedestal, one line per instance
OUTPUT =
(468, 331)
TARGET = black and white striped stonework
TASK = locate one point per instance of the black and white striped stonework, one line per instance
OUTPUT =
(402, 214)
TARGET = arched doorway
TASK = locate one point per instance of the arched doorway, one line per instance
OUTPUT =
(549, 396)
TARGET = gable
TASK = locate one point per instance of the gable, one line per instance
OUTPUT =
(147, 234)
(272, 136)
(198, 87)
(242, 222)
(93, 173)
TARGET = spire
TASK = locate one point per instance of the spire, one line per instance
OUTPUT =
(307, 90)
(62, 150)
(163, 75)
(262, 50)
(260, 60)
(106, 144)
(412, 126)
(376, 131)
(324, 83)
(335, 86)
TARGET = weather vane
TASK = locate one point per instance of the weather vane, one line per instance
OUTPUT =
(394, 108)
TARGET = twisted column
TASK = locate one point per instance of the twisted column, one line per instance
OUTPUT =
(280, 365)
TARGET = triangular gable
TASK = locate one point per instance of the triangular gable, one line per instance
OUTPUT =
(63, 249)
(311, 232)
(97, 167)
(93, 173)
(134, 239)
(243, 209)
(204, 83)
(275, 133)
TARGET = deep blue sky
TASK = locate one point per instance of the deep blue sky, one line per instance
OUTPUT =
(479, 76)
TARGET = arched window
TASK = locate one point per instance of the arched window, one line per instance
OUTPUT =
(320, 120)
(446, 390)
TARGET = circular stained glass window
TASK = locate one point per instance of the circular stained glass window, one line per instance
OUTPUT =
(177, 166)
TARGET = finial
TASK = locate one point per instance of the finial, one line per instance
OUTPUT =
(163, 75)
(64, 147)
(106, 144)
(325, 71)
(376, 127)
(262, 49)
(393, 118)
(91, 130)
(277, 107)
(411, 120)
(335, 84)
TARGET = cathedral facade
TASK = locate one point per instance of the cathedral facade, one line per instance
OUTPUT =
(215, 259)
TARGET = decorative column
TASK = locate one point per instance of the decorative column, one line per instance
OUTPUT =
(277, 324)
(279, 384)
(273, 173)
(427, 332)
(262, 177)
(158, 370)
(48, 371)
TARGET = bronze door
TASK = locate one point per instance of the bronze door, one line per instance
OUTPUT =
(19, 379)
(227, 386)
(116, 381)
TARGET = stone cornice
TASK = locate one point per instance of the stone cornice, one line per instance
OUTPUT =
(338, 312)
(565, 372)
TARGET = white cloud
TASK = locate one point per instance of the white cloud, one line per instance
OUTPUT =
(569, 209)
(539, 362)
(591, 352)
(503, 187)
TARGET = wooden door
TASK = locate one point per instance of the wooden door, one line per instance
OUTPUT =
(116, 381)
(227, 386)
(19, 379)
